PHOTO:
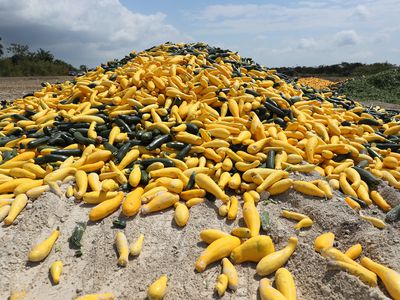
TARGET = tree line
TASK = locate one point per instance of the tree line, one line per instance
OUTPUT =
(343, 69)
(21, 61)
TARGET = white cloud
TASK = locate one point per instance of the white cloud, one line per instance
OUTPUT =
(304, 32)
(88, 32)
(346, 38)
(362, 12)
(307, 43)
(231, 11)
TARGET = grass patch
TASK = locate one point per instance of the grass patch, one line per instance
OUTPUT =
(383, 86)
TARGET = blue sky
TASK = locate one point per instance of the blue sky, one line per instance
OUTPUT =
(274, 33)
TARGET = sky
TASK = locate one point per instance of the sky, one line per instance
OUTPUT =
(274, 33)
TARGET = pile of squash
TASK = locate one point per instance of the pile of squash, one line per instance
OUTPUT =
(316, 83)
(180, 124)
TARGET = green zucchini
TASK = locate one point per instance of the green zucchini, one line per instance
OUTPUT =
(123, 151)
(363, 163)
(147, 162)
(122, 125)
(367, 176)
(393, 215)
(67, 152)
(113, 149)
(265, 221)
(191, 182)
(369, 121)
(158, 141)
(77, 234)
(49, 158)
(359, 201)
(192, 128)
(182, 154)
(80, 139)
(144, 177)
(271, 159)
(373, 153)
(118, 223)
(176, 145)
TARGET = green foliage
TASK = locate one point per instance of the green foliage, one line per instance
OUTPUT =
(25, 63)
(17, 49)
(1, 48)
(383, 86)
(343, 69)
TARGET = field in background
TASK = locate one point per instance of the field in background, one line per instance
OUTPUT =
(15, 87)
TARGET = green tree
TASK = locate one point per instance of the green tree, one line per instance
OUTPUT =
(1, 48)
(18, 49)
(83, 68)
(18, 52)
(44, 55)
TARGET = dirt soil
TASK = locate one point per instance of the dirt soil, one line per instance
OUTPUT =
(15, 87)
(171, 250)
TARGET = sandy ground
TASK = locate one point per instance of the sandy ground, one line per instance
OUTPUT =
(15, 87)
(171, 250)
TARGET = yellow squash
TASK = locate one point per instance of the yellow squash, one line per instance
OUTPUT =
(160, 202)
(254, 249)
(275, 260)
(389, 277)
(17, 206)
(122, 247)
(210, 235)
(221, 285)
(251, 217)
(206, 183)
(308, 188)
(158, 288)
(267, 292)
(229, 270)
(55, 271)
(106, 207)
(132, 202)
(324, 241)
(136, 247)
(285, 283)
(354, 251)
(217, 250)
(181, 215)
(106, 296)
(41, 251)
